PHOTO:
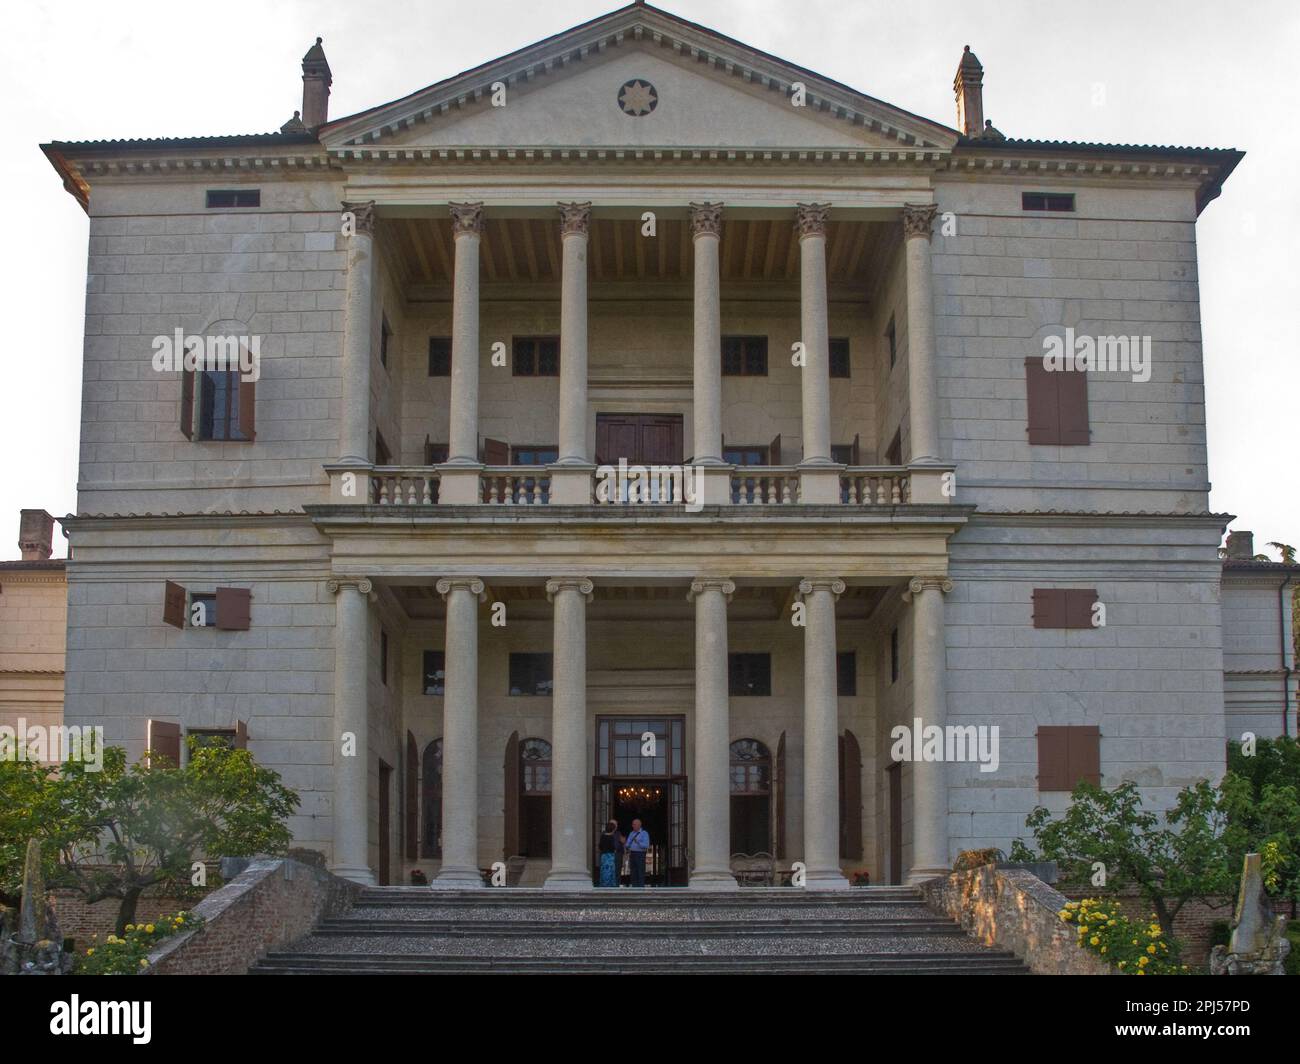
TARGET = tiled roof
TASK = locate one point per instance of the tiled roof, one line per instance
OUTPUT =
(1029, 144)
(1247, 564)
(225, 140)
(48, 565)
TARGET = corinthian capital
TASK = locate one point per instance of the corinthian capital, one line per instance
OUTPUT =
(363, 215)
(580, 584)
(811, 219)
(706, 219)
(466, 218)
(918, 219)
(574, 218)
(472, 584)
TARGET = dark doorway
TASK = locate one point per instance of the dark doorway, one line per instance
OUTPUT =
(385, 843)
(535, 798)
(894, 776)
(431, 800)
(642, 439)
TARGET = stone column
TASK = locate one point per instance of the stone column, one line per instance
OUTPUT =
(819, 480)
(352, 750)
(354, 416)
(712, 771)
(570, 781)
(922, 377)
(571, 473)
(460, 735)
(467, 231)
(930, 855)
(821, 735)
(706, 235)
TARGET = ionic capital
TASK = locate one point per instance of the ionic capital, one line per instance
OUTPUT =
(349, 583)
(922, 583)
(833, 584)
(363, 215)
(706, 219)
(725, 587)
(580, 584)
(466, 218)
(810, 220)
(918, 219)
(472, 584)
(574, 218)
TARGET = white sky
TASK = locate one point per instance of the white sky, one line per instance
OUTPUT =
(1185, 72)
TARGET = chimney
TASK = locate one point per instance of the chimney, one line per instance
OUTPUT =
(316, 81)
(969, 88)
(35, 533)
(1241, 545)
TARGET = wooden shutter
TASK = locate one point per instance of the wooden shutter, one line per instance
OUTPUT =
(774, 450)
(163, 740)
(511, 810)
(187, 403)
(435, 453)
(1072, 404)
(495, 453)
(248, 409)
(233, 608)
(412, 810)
(1084, 755)
(660, 440)
(1078, 607)
(1044, 406)
(851, 822)
(778, 800)
(1053, 758)
(617, 436)
(174, 602)
(1049, 607)
(240, 741)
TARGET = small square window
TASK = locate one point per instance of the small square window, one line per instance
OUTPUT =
(439, 356)
(839, 356)
(531, 674)
(846, 673)
(749, 675)
(744, 356)
(1047, 201)
(203, 610)
(217, 400)
(536, 356)
(241, 197)
(435, 672)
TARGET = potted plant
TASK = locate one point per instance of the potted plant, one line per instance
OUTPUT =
(418, 878)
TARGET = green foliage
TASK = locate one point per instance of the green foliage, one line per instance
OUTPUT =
(1103, 928)
(1262, 800)
(26, 811)
(1169, 861)
(127, 953)
(1292, 963)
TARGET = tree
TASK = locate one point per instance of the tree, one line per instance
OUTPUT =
(1170, 863)
(27, 811)
(125, 828)
(1262, 799)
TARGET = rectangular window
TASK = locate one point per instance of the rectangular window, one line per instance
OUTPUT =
(1047, 201)
(745, 456)
(744, 356)
(846, 673)
(383, 657)
(537, 356)
(838, 347)
(235, 197)
(893, 656)
(385, 334)
(203, 611)
(1057, 405)
(891, 337)
(1067, 756)
(435, 672)
(749, 675)
(228, 608)
(1059, 607)
(534, 455)
(219, 737)
(894, 453)
(220, 395)
(439, 356)
(530, 674)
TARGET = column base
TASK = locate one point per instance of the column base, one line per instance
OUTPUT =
(920, 875)
(568, 881)
(712, 881)
(364, 876)
(457, 879)
(831, 880)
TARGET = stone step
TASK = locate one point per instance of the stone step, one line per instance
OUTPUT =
(862, 897)
(916, 963)
(636, 929)
(665, 915)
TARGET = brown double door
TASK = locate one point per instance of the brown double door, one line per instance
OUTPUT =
(641, 439)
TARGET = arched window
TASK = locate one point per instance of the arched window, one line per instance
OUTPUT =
(431, 844)
(751, 797)
(535, 798)
(535, 764)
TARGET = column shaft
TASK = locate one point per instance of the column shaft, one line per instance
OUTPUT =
(352, 756)
(815, 377)
(354, 415)
(821, 752)
(570, 782)
(467, 229)
(930, 855)
(574, 220)
(706, 228)
(712, 769)
(922, 376)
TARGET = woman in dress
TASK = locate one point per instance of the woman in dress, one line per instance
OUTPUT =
(611, 854)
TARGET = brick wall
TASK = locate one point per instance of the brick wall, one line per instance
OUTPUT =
(80, 920)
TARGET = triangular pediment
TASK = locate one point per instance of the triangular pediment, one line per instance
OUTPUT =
(637, 78)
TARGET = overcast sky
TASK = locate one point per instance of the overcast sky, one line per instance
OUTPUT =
(1185, 72)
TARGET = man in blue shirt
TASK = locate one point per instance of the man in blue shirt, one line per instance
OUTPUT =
(637, 844)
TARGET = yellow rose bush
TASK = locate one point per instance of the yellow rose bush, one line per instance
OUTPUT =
(128, 954)
(1103, 928)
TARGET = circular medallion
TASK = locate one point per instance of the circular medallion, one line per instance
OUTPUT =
(637, 98)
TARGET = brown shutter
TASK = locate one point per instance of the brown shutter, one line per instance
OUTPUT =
(1049, 608)
(163, 740)
(1078, 607)
(495, 453)
(1072, 398)
(778, 799)
(174, 600)
(512, 796)
(1084, 755)
(240, 741)
(774, 450)
(233, 608)
(412, 798)
(1044, 406)
(248, 409)
(851, 823)
(1053, 759)
(187, 403)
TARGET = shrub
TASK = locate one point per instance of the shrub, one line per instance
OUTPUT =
(127, 954)
(1104, 929)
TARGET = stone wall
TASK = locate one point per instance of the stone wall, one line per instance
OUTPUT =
(1015, 910)
(271, 903)
(80, 920)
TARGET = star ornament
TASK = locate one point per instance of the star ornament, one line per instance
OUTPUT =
(637, 98)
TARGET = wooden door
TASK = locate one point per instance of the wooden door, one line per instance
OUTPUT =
(850, 797)
(385, 842)
(511, 810)
(677, 844)
(642, 439)
(602, 808)
(778, 800)
(412, 798)
(894, 774)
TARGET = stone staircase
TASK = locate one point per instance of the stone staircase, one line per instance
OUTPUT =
(414, 930)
